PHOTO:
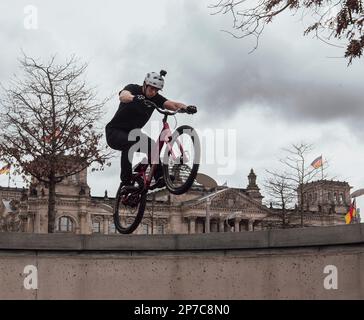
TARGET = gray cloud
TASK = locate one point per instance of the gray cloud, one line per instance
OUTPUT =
(288, 73)
(289, 78)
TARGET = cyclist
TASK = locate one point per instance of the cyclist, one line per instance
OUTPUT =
(133, 114)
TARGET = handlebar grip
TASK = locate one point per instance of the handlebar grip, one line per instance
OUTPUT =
(191, 109)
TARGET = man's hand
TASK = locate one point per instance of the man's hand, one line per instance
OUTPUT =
(191, 109)
(139, 97)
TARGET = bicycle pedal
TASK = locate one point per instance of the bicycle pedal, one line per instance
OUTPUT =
(129, 189)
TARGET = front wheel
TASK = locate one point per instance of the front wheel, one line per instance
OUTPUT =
(129, 208)
(181, 160)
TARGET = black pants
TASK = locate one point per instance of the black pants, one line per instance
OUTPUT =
(128, 144)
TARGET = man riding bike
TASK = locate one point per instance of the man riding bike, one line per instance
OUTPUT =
(132, 115)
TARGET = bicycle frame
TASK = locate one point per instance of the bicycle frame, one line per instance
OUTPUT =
(165, 137)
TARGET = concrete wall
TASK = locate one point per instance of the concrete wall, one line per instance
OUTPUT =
(276, 264)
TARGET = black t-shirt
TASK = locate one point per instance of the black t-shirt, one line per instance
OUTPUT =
(134, 115)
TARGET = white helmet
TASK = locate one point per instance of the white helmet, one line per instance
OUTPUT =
(154, 79)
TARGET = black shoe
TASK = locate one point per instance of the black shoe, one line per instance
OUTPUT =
(160, 183)
(128, 188)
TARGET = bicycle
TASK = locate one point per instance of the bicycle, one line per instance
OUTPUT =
(179, 172)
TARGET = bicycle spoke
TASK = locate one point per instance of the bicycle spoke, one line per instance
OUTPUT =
(182, 160)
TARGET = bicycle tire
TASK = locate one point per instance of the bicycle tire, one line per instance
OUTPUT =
(178, 190)
(135, 220)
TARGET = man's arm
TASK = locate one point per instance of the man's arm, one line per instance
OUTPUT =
(125, 96)
(174, 106)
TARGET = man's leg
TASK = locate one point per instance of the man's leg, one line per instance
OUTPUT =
(118, 140)
(152, 152)
(125, 166)
(144, 144)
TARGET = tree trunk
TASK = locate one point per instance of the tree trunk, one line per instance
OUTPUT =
(284, 218)
(301, 210)
(51, 206)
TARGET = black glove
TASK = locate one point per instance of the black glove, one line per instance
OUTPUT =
(138, 97)
(191, 109)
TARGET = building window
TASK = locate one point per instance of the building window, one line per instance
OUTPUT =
(65, 224)
(96, 226)
(145, 228)
(160, 229)
(214, 226)
(72, 179)
(341, 198)
(112, 228)
(200, 225)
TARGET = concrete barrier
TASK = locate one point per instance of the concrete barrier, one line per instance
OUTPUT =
(309, 263)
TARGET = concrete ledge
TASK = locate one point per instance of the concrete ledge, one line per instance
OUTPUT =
(306, 237)
(310, 263)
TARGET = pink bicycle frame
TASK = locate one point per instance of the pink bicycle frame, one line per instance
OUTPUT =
(164, 137)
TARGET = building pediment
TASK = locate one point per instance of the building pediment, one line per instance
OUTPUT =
(226, 200)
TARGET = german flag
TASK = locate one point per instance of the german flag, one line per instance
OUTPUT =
(5, 169)
(352, 213)
(317, 163)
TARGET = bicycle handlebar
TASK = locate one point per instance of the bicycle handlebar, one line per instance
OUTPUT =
(163, 111)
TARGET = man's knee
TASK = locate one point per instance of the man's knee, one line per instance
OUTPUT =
(116, 139)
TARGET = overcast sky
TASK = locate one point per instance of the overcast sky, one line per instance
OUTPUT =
(291, 89)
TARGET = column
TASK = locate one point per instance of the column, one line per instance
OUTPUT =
(221, 225)
(84, 217)
(258, 225)
(176, 224)
(37, 222)
(207, 221)
(250, 225)
(106, 224)
(82, 222)
(192, 222)
(237, 225)
(30, 222)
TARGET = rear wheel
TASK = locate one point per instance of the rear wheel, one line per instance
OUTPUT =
(181, 160)
(129, 208)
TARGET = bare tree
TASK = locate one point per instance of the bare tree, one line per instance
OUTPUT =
(341, 19)
(48, 124)
(298, 171)
(281, 193)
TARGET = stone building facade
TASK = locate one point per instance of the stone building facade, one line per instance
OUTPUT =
(200, 210)
(325, 196)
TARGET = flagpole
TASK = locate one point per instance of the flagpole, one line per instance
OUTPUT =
(322, 180)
